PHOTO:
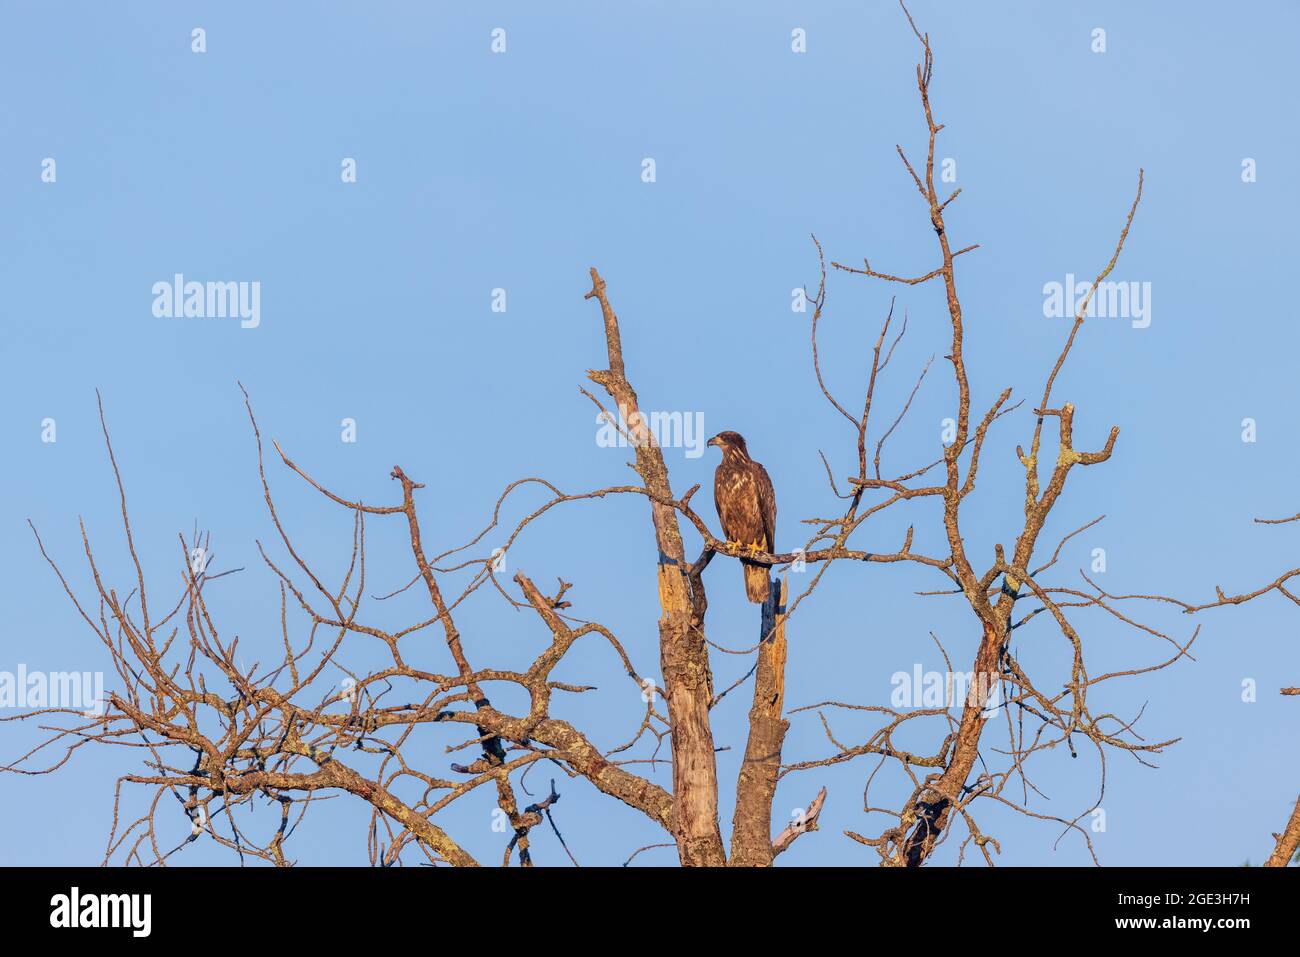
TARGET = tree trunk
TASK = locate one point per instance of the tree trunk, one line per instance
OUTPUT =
(683, 654)
(751, 834)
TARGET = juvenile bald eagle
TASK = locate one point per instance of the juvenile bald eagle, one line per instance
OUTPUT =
(746, 505)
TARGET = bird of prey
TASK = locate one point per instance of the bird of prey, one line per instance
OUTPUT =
(746, 503)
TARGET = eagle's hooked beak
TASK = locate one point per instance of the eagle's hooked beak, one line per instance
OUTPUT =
(714, 441)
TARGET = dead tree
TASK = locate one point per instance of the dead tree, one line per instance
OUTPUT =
(214, 735)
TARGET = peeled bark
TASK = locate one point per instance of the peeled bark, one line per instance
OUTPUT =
(751, 835)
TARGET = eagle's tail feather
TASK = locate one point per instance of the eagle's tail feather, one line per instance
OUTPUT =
(756, 582)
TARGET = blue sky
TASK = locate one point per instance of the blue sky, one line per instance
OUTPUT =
(520, 171)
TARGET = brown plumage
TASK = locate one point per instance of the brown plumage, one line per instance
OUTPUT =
(746, 503)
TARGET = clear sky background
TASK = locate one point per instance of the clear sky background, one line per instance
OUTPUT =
(521, 171)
